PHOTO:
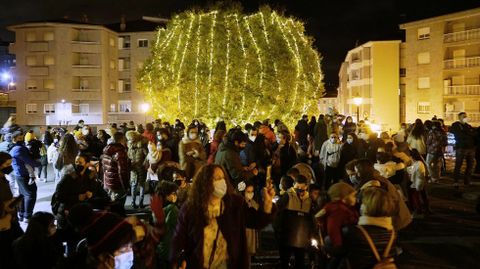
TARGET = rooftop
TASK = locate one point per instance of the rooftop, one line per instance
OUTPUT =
(135, 26)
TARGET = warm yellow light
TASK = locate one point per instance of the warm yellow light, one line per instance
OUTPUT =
(145, 107)
(357, 100)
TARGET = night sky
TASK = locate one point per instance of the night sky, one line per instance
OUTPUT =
(336, 25)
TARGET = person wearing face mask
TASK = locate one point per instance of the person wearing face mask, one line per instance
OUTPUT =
(180, 178)
(464, 148)
(217, 140)
(349, 152)
(149, 132)
(137, 152)
(211, 228)
(348, 128)
(39, 247)
(191, 152)
(284, 157)
(247, 155)
(168, 142)
(294, 223)
(168, 192)
(330, 155)
(9, 228)
(228, 156)
(248, 191)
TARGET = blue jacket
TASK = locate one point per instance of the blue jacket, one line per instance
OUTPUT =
(20, 157)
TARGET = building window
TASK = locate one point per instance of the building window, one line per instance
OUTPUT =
(112, 64)
(112, 85)
(48, 60)
(48, 84)
(143, 43)
(83, 108)
(424, 83)
(112, 107)
(355, 74)
(48, 109)
(31, 60)
(31, 108)
(30, 36)
(124, 42)
(112, 42)
(423, 33)
(403, 72)
(48, 36)
(124, 86)
(423, 58)
(124, 106)
(423, 108)
(31, 84)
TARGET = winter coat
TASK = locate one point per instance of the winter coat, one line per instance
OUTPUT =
(284, 158)
(115, 165)
(335, 216)
(171, 215)
(302, 129)
(268, 133)
(189, 235)
(228, 156)
(418, 173)
(137, 150)
(320, 134)
(347, 129)
(213, 151)
(436, 142)
(149, 136)
(348, 153)
(20, 158)
(330, 154)
(464, 135)
(6, 146)
(34, 251)
(191, 163)
(417, 143)
(52, 153)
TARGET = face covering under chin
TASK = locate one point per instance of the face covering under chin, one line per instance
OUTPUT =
(219, 188)
(124, 260)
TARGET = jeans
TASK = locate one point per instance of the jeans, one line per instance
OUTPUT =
(469, 156)
(41, 172)
(433, 165)
(29, 192)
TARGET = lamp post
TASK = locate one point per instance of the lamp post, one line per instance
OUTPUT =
(358, 101)
(145, 107)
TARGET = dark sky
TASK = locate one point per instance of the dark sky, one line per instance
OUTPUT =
(336, 25)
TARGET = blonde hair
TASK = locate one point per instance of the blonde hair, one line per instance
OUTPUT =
(376, 202)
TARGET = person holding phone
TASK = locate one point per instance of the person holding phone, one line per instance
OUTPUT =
(211, 227)
(9, 226)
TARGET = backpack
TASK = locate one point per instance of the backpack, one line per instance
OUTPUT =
(384, 262)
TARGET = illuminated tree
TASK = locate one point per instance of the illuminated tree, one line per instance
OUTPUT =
(235, 66)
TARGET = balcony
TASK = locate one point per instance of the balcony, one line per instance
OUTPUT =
(459, 90)
(461, 62)
(452, 116)
(86, 96)
(462, 35)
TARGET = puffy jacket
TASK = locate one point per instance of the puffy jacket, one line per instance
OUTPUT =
(330, 154)
(116, 173)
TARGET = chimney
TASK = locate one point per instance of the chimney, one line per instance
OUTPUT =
(123, 23)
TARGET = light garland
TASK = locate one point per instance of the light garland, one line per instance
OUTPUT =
(197, 63)
(210, 69)
(192, 18)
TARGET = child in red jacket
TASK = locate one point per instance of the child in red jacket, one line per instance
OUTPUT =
(338, 213)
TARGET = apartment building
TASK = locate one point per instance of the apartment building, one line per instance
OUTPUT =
(67, 71)
(369, 84)
(328, 103)
(442, 61)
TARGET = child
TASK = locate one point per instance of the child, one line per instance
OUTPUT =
(418, 195)
(285, 184)
(248, 191)
(152, 161)
(180, 178)
(338, 213)
(168, 191)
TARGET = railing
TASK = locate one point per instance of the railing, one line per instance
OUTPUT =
(453, 116)
(462, 35)
(462, 90)
(461, 62)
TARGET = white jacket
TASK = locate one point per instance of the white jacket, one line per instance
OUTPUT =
(52, 153)
(418, 173)
(330, 154)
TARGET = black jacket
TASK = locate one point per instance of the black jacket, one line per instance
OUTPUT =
(464, 135)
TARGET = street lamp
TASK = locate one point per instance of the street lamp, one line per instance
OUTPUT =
(358, 101)
(145, 107)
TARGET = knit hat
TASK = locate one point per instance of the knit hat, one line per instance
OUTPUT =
(340, 190)
(107, 232)
(29, 137)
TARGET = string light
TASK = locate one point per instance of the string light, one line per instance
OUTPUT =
(210, 67)
(197, 61)
(245, 70)
(192, 18)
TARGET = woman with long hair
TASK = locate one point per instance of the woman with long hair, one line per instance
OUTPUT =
(211, 228)
(67, 152)
(416, 138)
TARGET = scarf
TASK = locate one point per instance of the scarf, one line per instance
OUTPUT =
(384, 222)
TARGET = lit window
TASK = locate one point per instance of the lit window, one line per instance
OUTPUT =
(49, 84)
(31, 60)
(112, 42)
(84, 108)
(124, 106)
(423, 33)
(48, 109)
(143, 43)
(30, 36)
(112, 64)
(48, 36)
(423, 58)
(423, 108)
(124, 42)
(424, 83)
(31, 108)
(112, 107)
(112, 85)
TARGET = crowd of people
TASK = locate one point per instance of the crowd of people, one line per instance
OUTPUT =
(333, 190)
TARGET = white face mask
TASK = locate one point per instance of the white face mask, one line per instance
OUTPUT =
(193, 136)
(279, 140)
(349, 141)
(252, 138)
(124, 260)
(249, 195)
(332, 140)
(466, 120)
(219, 188)
(353, 179)
(85, 132)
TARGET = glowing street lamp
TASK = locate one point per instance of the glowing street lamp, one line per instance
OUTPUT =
(6, 76)
(145, 107)
(358, 101)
